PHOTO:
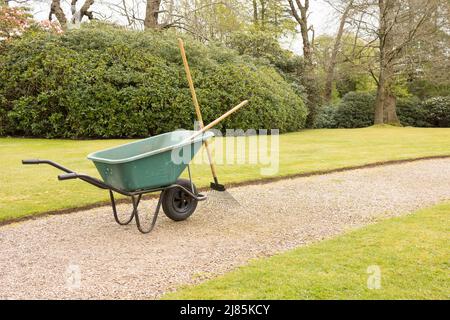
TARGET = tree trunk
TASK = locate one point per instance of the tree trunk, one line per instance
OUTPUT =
(300, 14)
(263, 12)
(151, 14)
(379, 100)
(302, 20)
(55, 9)
(386, 103)
(255, 12)
(337, 44)
(390, 109)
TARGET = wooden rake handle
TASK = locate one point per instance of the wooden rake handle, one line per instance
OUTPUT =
(219, 119)
(191, 83)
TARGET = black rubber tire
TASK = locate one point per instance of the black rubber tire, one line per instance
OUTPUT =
(177, 204)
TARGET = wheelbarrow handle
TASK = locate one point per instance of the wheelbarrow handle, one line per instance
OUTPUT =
(49, 162)
(31, 161)
(67, 176)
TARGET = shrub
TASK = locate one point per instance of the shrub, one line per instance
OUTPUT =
(356, 110)
(101, 81)
(410, 113)
(326, 117)
(437, 111)
(13, 22)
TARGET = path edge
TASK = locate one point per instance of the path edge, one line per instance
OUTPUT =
(229, 185)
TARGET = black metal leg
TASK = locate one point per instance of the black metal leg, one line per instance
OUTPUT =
(155, 215)
(116, 217)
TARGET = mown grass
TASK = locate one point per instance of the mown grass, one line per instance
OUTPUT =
(27, 190)
(411, 253)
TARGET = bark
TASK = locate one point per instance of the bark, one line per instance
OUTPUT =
(333, 59)
(77, 16)
(84, 11)
(57, 11)
(151, 14)
(385, 102)
(379, 101)
(263, 12)
(255, 12)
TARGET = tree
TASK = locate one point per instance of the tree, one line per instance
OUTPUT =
(77, 15)
(300, 14)
(151, 14)
(350, 71)
(392, 27)
(348, 4)
(271, 15)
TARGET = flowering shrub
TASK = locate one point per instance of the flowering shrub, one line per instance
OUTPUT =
(13, 22)
(51, 26)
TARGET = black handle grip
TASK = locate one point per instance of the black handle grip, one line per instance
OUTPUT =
(31, 161)
(67, 176)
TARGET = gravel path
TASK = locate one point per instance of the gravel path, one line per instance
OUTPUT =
(87, 255)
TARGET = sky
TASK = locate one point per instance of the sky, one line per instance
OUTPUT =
(321, 17)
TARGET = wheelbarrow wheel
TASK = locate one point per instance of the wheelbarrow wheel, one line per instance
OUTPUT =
(177, 204)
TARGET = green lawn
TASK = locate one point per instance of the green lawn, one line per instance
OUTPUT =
(411, 253)
(26, 190)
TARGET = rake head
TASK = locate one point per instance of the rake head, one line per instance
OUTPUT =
(217, 187)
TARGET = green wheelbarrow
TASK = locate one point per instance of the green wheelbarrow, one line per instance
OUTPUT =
(145, 166)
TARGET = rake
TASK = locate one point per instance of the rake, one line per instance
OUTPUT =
(219, 191)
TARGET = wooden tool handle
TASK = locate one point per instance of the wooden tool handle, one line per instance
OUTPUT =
(191, 83)
(215, 122)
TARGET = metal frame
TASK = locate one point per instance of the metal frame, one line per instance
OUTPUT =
(135, 196)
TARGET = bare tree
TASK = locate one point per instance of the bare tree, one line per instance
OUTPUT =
(300, 12)
(348, 5)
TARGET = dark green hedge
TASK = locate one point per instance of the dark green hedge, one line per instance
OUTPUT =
(100, 81)
(356, 110)
(437, 111)
(410, 112)
(326, 117)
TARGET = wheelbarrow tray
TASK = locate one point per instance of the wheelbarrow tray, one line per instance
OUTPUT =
(148, 163)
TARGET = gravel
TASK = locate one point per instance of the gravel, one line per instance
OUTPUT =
(86, 255)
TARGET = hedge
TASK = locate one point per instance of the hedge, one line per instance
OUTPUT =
(437, 111)
(410, 112)
(356, 109)
(105, 82)
(326, 117)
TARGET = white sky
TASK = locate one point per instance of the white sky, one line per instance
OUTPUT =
(321, 17)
